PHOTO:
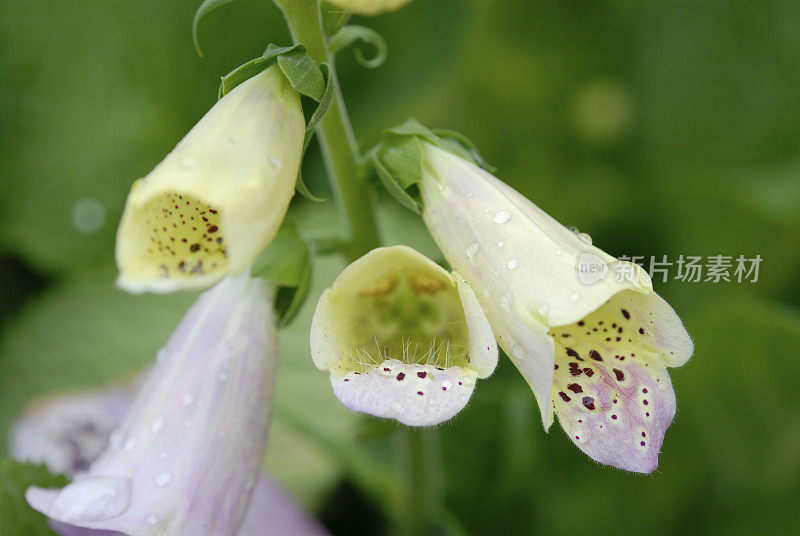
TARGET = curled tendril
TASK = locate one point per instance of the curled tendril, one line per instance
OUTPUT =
(347, 35)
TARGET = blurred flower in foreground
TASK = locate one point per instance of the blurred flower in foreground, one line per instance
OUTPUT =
(188, 454)
(212, 205)
(586, 331)
(369, 7)
(402, 338)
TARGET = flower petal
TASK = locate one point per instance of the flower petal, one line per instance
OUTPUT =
(212, 205)
(415, 395)
(186, 457)
(69, 432)
(402, 337)
(611, 389)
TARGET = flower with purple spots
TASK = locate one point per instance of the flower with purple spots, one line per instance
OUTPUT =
(594, 347)
(217, 200)
(402, 338)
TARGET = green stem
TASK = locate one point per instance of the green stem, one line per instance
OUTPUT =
(419, 450)
(339, 148)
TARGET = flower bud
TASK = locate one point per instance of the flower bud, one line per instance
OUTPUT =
(369, 7)
(585, 330)
(212, 205)
(402, 338)
(188, 453)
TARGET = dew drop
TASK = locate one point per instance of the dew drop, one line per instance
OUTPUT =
(158, 424)
(188, 163)
(151, 520)
(233, 140)
(544, 308)
(559, 252)
(512, 264)
(501, 244)
(472, 250)
(497, 273)
(163, 479)
(274, 162)
(130, 444)
(501, 216)
(575, 296)
(506, 300)
(187, 399)
(585, 238)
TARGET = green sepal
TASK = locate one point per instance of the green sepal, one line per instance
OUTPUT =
(202, 10)
(286, 263)
(16, 516)
(256, 65)
(334, 19)
(398, 158)
(319, 112)
(348, 35)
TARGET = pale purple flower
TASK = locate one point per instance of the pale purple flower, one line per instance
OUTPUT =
(187, 456)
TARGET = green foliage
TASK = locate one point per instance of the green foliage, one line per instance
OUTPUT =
(16, 517)
(286, 263)
(695, 153)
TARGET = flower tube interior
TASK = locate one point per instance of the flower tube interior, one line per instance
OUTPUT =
(402, 337)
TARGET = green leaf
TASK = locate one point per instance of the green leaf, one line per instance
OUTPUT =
(16, 517)
(319, 112)
(303, 74)
(205, 7)
(398, 158)
(287, 264)
(348, 35)
(255, 66)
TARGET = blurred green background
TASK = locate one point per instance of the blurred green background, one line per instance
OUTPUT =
(661, 128)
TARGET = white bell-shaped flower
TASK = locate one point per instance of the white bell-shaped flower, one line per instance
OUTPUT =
(213, 204)
(402, 338)
(586, 331)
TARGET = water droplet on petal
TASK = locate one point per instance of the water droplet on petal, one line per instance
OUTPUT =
(188, 163)
(130, 444)
(506, 300)
(501, 244)
(158, 424)
(92, 499)
(151, 520)
(512, 264)
(575, 296)
(497, 273)
(274, 162)
(187, 399)
(559, 252)
(585, 238)
(544, 308)
(501, 216)
(233, 140)
(472, 250)
(163, 479)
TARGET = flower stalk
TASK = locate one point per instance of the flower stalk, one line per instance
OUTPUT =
(336, 139)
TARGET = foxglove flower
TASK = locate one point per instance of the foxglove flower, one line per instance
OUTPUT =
(212, 205)
(586, 331)
(369, 7)
(68, 432)
(188, 453)
(402, 338)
